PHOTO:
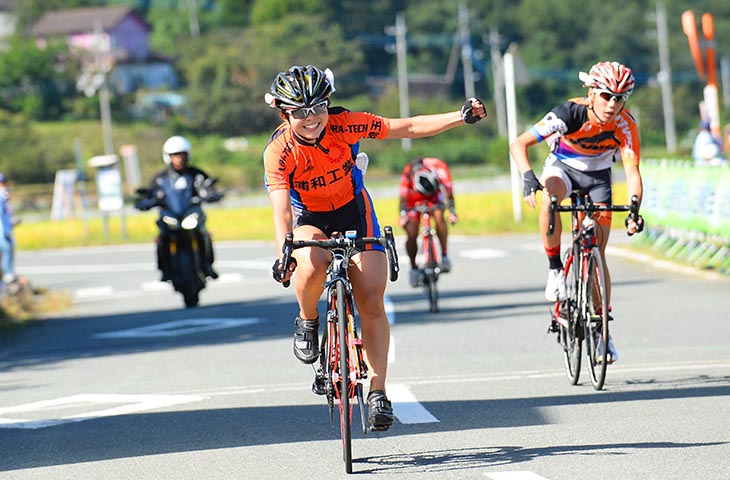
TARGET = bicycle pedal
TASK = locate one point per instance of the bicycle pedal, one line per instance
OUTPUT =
(318, 387)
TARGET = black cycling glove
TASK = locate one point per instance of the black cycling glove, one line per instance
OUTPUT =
(466, 111)
(530, 183)
(639, 222)
(276, 271)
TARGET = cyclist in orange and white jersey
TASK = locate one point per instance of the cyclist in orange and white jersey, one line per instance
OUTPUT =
(586, 135)
(316, 188)
(426, 179)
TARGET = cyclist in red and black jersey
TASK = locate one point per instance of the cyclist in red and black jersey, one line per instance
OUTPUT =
(586, 135)
(426, 179)
(316, 188)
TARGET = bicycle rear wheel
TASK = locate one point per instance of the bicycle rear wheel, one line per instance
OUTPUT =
(344, 380)
(570, 336)
(596, 324)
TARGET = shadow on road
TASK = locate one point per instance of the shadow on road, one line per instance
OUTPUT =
(484, 457)
(127, 436)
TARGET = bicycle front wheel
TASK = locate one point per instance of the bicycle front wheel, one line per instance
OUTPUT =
(596, 325)
(569, 332)
(431, 264)
(432, 291)
(344, 379)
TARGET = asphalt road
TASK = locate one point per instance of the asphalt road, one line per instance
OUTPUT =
(130, 385)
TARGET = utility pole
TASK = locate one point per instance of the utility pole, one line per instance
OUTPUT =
(665, 78)
(509, 81)
(725, 76)
(193, 19)
(466, 50)
(103, 62)
(498, 78)
(401, 55)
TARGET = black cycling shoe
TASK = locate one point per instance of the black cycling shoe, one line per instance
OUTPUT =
(380, 411)
(318, 387)
(306, 340)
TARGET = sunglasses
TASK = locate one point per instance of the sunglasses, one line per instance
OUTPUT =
(608, 96)
(304, 112)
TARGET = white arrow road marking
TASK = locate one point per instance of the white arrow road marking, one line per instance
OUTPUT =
(180, 327)
(514, 476)
(406, 407)
(130, 404)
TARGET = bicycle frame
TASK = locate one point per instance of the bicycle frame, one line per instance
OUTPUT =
(342, 368)
(583, 315)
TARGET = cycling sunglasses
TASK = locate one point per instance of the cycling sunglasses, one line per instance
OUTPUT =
(608, 96)
(304, 112)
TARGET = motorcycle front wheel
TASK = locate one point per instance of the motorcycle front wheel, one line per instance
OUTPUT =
(189, 280)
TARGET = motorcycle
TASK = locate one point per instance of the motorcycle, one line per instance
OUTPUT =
(187, 245)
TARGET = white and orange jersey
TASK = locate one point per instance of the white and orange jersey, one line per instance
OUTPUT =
(584, 145)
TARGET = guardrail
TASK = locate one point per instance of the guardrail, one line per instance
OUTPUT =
(687, 211)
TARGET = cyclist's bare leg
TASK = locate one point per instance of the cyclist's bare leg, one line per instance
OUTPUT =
(603, 230)
(411, 228)
(368, 274)
(311, 272)
(442, 230)
(553, 186)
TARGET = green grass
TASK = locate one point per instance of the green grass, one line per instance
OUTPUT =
(480, 213)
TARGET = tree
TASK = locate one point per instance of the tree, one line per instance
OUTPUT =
(228, 72)
(35, 81)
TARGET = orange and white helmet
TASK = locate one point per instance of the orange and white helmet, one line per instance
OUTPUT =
(611, 77)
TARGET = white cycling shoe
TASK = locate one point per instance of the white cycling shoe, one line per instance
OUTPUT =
(612, 352)
(555, 288)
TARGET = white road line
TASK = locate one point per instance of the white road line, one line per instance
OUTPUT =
(389, 309)
(91, 292)
(155, 286)
(179, 327)
(406, 407)
(663, 264)
(390, 312)
(90, 268)
(482, 253)
(520, 475)
(614, 370)
(130, 404)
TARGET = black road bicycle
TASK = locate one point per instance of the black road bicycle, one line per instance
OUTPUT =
(342, 369)
(583, 314)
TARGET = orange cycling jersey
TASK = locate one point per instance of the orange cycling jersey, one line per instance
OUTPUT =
(584, 145)
(321, 177)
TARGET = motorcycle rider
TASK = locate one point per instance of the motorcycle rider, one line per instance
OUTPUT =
(179, 182)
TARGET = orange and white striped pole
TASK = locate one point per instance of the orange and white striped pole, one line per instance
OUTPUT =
(711, 103)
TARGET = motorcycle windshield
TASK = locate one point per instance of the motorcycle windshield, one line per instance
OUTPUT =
(178, 193)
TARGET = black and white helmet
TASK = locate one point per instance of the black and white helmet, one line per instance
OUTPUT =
(426, 182)
(300, 87)
(176, 144)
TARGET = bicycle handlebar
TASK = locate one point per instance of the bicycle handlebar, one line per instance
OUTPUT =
(589, 206)
(428, 207)
(343, 241)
